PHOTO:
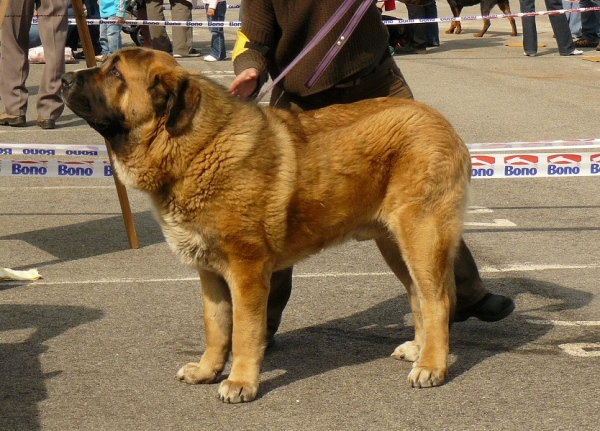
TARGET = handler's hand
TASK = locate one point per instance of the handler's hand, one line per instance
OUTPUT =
(210, 12)
(244, 85)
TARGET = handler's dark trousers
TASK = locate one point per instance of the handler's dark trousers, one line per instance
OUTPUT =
(14, 64)
(385, 80)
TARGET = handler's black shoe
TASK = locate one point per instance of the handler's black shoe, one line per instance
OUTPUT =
(490, 309)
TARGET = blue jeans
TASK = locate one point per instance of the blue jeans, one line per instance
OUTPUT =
(217, 42)
(574, 18)
(110, 36)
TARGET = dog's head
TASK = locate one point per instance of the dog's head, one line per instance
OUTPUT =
(143, 103)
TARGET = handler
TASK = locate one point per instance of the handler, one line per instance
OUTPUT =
(272, 34)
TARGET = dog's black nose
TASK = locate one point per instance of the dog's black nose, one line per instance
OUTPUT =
(67, 79)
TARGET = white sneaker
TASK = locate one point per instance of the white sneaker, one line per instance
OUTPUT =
(210, 58)
(576, 52)
(530, 55)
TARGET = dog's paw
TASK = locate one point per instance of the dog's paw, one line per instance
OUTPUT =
(449, 31)
(237, 392)
(193, 374)
(408, 351)
(421, 377)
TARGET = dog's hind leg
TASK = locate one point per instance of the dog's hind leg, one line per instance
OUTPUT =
(505, 8)
(428, 240)
(217, 324)
(486, 8)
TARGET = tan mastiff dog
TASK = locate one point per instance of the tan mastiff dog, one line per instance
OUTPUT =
(241, 191)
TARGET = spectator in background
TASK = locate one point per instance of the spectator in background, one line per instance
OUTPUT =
(181, 10)
(573, 18)
(215, 11)
(422, 35)
(92, 12)
(143, 15)
(110, 32)
(14, 64)
(559, 24)
(590, 26)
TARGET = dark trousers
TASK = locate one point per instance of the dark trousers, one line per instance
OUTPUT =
(559, 24)
(385, 80)
(93, 12)
(424, 34)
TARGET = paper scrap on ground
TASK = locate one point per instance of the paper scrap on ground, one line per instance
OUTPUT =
(11, 274)
(521, 44)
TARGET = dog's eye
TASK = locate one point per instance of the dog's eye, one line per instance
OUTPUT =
(115, 71)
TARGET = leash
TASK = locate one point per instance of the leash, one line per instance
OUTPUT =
(337, 46)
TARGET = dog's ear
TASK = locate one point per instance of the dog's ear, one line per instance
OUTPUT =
(175, 97)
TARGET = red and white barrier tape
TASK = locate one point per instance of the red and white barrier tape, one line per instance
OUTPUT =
(237, 24)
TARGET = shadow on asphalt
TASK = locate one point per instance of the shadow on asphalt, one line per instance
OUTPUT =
(89, 238)
(374, 334)
(25, 329)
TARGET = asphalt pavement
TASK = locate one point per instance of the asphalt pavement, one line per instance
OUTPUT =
(95, 344)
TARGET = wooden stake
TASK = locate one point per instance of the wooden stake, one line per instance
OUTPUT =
(90, 60)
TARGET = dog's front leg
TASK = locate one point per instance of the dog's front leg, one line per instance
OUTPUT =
(217, 323)
(249, 284)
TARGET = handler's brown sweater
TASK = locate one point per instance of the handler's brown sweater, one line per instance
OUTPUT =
(286, 26)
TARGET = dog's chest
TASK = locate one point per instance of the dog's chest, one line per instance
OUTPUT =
(190, 244)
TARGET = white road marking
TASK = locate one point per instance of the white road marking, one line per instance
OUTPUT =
(582, 350)
(498, 222)
(509, 268)
(479, 210)
(564, 322)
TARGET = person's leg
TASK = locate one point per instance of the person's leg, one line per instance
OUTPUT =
(560, 26)
(419, 34)
(105, 48)
(113, 34)
(53, 24)
(158, 34)
(590, 24)
(143, 15)
(530, 43)
(93, 12)
(574, 18)
(14, 65)
(182, 36)
(433, 30)
(220, 16)
(279, 295)
(472, 297)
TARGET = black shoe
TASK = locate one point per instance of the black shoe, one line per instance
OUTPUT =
(409, 49)
(46, 124)
(490, 309)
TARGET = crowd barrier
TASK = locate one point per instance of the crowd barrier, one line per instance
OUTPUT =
(237, 24)
(520, 160)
